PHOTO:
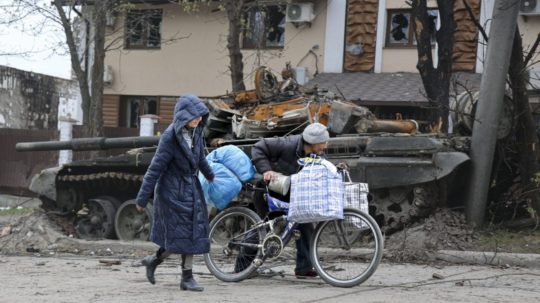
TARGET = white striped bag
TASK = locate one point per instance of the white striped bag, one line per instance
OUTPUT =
(316, 194)
(356, 196)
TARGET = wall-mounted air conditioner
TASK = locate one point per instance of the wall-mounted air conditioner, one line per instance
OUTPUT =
(299, 12)
(529, 8)
(107, 75)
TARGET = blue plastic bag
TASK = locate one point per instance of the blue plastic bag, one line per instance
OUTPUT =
(235, 160)
(225, 187)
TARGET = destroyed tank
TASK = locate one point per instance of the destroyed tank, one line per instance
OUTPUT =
(408, 176)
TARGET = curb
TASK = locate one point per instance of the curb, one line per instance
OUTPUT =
(488, 258)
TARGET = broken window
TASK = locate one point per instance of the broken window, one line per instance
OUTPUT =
(264, 27)
(132, 107)
(400, 32)
(143, 29)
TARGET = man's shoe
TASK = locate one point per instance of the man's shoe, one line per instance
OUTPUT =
(305, 274)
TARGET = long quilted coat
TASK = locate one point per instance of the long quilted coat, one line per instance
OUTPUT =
(180, 222)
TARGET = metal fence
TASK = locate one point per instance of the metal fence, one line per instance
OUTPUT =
(17, 168)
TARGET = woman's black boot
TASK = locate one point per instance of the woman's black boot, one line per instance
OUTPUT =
(188, 283)
(151, 262)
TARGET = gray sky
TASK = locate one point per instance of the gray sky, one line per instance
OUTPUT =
(41, 50)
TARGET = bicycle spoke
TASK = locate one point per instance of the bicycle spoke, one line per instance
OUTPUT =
(234, 244)
(346, 252)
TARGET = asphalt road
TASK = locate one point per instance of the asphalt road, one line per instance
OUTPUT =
(86, 279)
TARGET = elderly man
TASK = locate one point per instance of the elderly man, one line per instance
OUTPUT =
(281, 155)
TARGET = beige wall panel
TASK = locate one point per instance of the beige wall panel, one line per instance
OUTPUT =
(399, 60)
(199, 62)
(393, 4)
(530, 28)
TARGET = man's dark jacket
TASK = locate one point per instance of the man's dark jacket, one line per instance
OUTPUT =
(279, 154)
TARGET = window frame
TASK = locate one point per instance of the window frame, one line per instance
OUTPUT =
(123, 116)
(411, 35)
(146, 14)
(246, 43)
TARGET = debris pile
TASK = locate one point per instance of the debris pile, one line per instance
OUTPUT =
(276, 108)
(445, 229)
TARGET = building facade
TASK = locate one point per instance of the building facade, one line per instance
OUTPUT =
(162, 51)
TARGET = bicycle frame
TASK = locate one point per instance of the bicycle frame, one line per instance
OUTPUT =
(358, 243)
(274, 205)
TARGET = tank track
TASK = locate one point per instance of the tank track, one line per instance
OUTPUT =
(74, 189)
(101, 176)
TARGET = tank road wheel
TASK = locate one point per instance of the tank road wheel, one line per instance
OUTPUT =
(99, 223)
(397, 206)
(112, 199)
(68, 199)
(131, 224)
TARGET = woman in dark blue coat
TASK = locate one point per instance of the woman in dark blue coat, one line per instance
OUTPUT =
(180, 223)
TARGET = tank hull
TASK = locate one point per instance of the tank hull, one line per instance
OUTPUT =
(405, 174)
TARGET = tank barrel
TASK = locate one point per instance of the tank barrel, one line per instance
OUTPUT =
(89, 144)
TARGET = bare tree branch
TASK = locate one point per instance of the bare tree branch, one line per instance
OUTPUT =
(532, 51)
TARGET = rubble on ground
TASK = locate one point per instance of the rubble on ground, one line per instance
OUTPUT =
(444, 229)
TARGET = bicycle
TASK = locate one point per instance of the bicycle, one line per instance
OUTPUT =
(241, 242)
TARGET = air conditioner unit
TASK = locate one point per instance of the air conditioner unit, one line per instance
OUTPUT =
(534, 79)
(107, 75)
(299, 12)
(529, 8)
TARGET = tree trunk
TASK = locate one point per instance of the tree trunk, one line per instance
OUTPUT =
(75, 62)
(95, 125)
(91, 94)
(234, 11)
(526, 130)
(436, 81)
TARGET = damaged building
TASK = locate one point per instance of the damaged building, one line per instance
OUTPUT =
(30, 100)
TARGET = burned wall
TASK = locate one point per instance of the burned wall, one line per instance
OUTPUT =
(29, 100)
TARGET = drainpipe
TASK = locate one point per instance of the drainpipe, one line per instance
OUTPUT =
(381, 31)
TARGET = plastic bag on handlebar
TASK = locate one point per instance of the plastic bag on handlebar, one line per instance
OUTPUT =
(235, 160)
(223, 189)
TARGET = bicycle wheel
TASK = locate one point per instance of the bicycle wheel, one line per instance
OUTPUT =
(347, 252)
(234, 244)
